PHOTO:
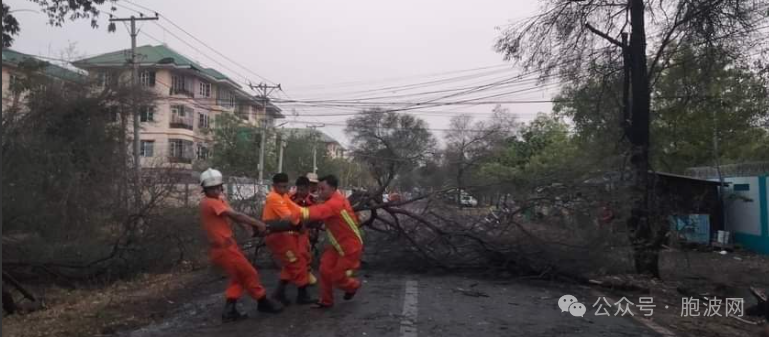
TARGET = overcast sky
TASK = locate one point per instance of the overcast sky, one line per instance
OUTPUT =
(315, 49)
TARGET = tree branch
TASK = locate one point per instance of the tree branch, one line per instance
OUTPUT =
(605, 36)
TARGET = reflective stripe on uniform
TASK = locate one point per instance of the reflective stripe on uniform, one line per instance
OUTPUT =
(334, 243)
(350, 222)
(305, 213)
(290, 256)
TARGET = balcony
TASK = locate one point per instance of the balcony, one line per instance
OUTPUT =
(178, 122)
(180, 151)
(181, 91)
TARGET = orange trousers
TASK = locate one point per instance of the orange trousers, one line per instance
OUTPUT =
(336, 272)
(303, 244)
(243, 276)
(291, 252)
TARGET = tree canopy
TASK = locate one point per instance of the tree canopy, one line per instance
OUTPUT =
(389, 143)
(58, 12)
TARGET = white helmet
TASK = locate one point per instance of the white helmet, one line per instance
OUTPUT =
(210, 178)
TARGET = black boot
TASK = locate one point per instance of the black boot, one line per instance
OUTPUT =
(231, 312)
(280, 293)
(349, 296)
(269, 306)
(302, 297)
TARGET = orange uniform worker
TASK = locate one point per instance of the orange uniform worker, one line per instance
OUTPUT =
(215, 214)
(286, 246)
(343, 256)
(307, 236)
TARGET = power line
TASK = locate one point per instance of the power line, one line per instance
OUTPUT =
(204, 44)
(199, 51)
(391, 79)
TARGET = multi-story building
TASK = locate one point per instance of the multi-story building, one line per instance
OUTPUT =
(177, 127)
(14, 61)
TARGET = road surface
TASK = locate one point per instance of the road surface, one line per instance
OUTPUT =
(406, 306)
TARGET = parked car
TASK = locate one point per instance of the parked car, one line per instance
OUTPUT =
(468, 201)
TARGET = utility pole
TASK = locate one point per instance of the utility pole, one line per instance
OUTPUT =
(281, 146)
(135, 87)
(265, 91)
(314, 150)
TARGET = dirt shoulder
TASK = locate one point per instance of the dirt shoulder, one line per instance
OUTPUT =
(689, 281)
(103, 311)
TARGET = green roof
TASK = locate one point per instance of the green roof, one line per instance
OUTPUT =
(215, 74)
(14, 59)
(295, 132)
(151, 56)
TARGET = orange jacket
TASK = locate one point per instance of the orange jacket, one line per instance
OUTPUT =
(341, 223)
(279, 207)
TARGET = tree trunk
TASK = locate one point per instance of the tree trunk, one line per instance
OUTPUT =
(645, 252)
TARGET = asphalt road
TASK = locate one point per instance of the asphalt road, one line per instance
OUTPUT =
(406, 306)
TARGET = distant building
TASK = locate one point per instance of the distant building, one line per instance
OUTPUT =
(12, 72)
(333, 148)
(746, 201)
(176, 129)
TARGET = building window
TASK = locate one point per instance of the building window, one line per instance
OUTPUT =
(16, 84)
(205, 89)
(147, 114)
(181, 117)
(107, 78)
(147, 78)
(180, 151)
(202, 152)
(230, 99)
(204, 121)
(180, 86)
(147, 148)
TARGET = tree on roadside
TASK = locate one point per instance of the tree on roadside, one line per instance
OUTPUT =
(236, 147)
(693, 100)
(65, 184)
(389, 142)
(58, 12)
(298, 153)
(470, 142)
(542, 148)
(569, 37)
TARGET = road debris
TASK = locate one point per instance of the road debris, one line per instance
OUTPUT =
(471, 293)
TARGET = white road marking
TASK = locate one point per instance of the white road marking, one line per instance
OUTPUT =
(409, 320)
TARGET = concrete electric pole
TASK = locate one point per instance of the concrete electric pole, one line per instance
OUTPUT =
(264, 90)
(314, 149)
(135, 87)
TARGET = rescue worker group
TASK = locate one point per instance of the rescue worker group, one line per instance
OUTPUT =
(288, 220)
